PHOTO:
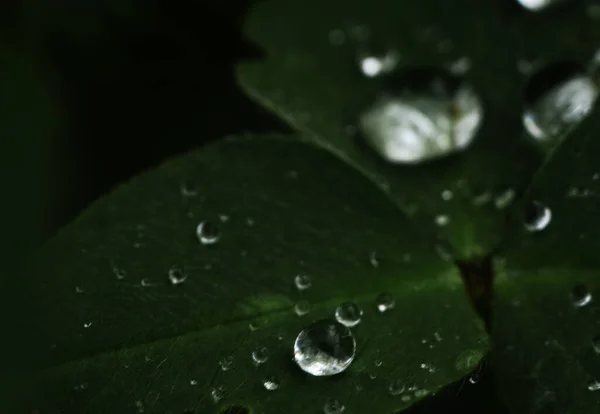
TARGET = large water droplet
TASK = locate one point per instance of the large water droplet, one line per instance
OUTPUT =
(435, 118)
(372, 64)
(302, 308)
(302, 282)
(594, 385)
(396, 387)
(552, 109)
(333, 406)
(208, 233)
(385, 302)
(581, 296)
(537, 5)
(271, 384)
(177, 275)
(348, 314)
(324, 348)
(537, 216)
(260, 355)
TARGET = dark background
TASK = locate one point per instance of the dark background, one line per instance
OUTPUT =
(93, 93)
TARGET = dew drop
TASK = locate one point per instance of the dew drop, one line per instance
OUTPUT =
(460, 66)
(78, 289)
(324, 348)
(396, 387)
(217, 393)
(581, 296)
(537, 217)
(447, 195)
(594, 385)
(410, 127)
(193, 382)
(348, 314)
(333, 406)
(302, 282)
(302, 307)
(119, 273)
(270, 384)
(538, 5)
(378, 363)
(442, 220)
(373, 259)
(87, 324)
(140, 406)
(253, 326)
(551, 113)
(145, 282)
(596, 344)
(187, 190)
(226, 363)
(474, 379)
(372, 65)
(208, 233)
(177, 275)
(260, 355)
(504, 199)
(385, 302)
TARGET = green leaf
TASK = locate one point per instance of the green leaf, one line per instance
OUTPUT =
(543, 332)
(140, 343)
(315, 84)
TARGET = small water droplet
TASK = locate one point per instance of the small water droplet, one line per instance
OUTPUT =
(145, 282)
(437, 336)
(372, 375)
(385, 302)
(378, 363)
(550, 114)
(302, 307)
(594, 385)
(208, 233)
(224, 218)
(78, 289)
(140, 406)
(348, 314)
(187, 190)
(373, 259)
(193, 382)
(217, 393)
(442, 220)
(87, 324)
(372, 65)
(254, 326)
(177, 275)
(447, 195)
(406, 398)
(538, 5)
(119, 273)
(421, 393)
(474, 379)
(226, 363)
(333, 406)
(537, 217)
(302, 282)
(460, 66)
(412, 126)
(396, 387)
(270, 384)
(504, 199)
(260, 355)
(324, 348)
(581, 296)
(596, 344)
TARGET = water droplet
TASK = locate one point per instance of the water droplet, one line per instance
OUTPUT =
(270, 384)
(504, 199)
(254, 326)
(372, 65)
(302, 282)
(396, 387)
(552, 111)
(460, 66)
(140, 406)
(581, 296)
(224, 218)
(537, 216)
(385, 302)
(333, 406)
(193, 382)
(596, 344)
(119, 273)
(348, 314)
(226, 363)
(260, 355)
(417, 125)
(537, 5)
(208, 233)
(447, 195)
(188, 191)
(594, 385)
(373, 259)
(406, 398)
(438, 337)
(302, 308)
(145, 282)
(250, 222)
(474, 379)
(421, 393)
(217, 393)
(177, 275)
(324, 348)
(442, 220)
(78, 289)
(87, 324)
(378, 363)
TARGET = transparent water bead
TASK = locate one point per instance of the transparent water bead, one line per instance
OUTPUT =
(396, 387)
(596, 344)
(333, 406)
(120, 274)
(270, 384)
(260, 355)
(325, 348)
(302, 282)
(537, 217)
(372, 64)
(348, 314)
(217, 393)
(226, 363)
(302, 307)
(177, 275)
(581, 296)
(208, 233)
(537, 5)
(385, 302)
(552, 113)
(594, 385)
(434, 119)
